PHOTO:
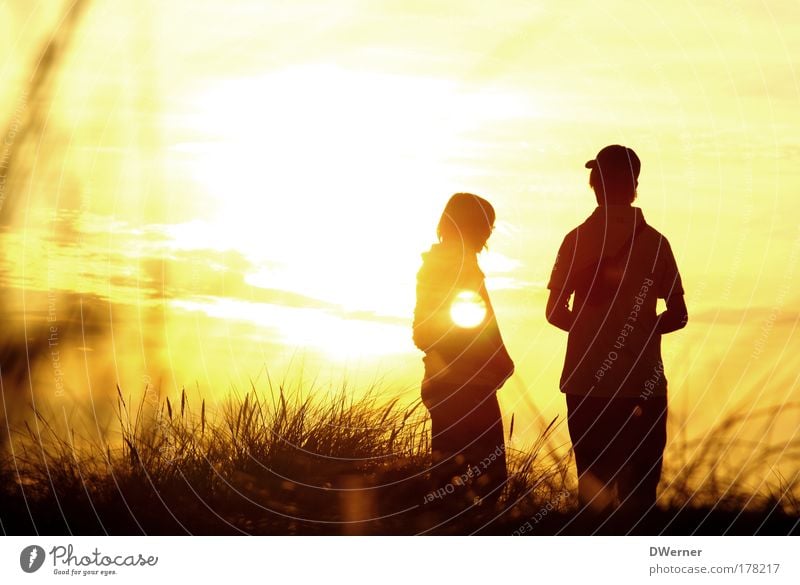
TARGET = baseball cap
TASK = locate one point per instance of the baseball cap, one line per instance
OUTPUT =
(616, 159)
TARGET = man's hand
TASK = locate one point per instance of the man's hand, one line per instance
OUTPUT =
(675, 317)
(558, 312)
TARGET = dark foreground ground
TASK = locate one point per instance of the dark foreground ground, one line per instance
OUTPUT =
(268, 464)
(239, 506)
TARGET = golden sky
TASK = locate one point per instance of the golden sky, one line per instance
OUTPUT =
(244, 183)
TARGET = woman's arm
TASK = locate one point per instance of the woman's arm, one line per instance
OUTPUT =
(675, 317)
(558, 312)
(498, 363)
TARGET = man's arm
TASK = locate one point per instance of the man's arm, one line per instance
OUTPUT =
(675, 317)
(558, 312)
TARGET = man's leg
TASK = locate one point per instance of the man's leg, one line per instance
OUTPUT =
(648, 437)
(591, 429)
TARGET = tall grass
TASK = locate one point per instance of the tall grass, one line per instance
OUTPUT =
(278, 462)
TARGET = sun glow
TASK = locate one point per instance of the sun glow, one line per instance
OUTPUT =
(468, 309)
(330, 182)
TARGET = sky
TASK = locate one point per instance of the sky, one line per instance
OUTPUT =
(221, 190)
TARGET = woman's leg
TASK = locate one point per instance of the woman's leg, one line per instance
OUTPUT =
(446, 451)
(487, 454)
(446, 408)
(467, 444)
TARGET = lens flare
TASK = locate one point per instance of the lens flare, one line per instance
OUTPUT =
(468, 309)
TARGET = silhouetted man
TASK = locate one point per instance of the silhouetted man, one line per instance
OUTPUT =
(616, 266)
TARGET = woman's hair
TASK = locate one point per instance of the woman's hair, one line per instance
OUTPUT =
(613, 188)
(468, 218)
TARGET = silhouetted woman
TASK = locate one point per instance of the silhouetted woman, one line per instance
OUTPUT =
(465, 359)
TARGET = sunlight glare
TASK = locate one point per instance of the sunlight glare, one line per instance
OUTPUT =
(319, 177)
(468, 309)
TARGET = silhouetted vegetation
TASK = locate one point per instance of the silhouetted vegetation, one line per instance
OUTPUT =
(280, 462)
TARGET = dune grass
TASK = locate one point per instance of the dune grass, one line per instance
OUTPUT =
(280, 462)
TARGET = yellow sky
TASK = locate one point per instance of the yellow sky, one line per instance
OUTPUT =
(251, 180)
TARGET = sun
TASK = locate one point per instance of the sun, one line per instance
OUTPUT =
(468, 309)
